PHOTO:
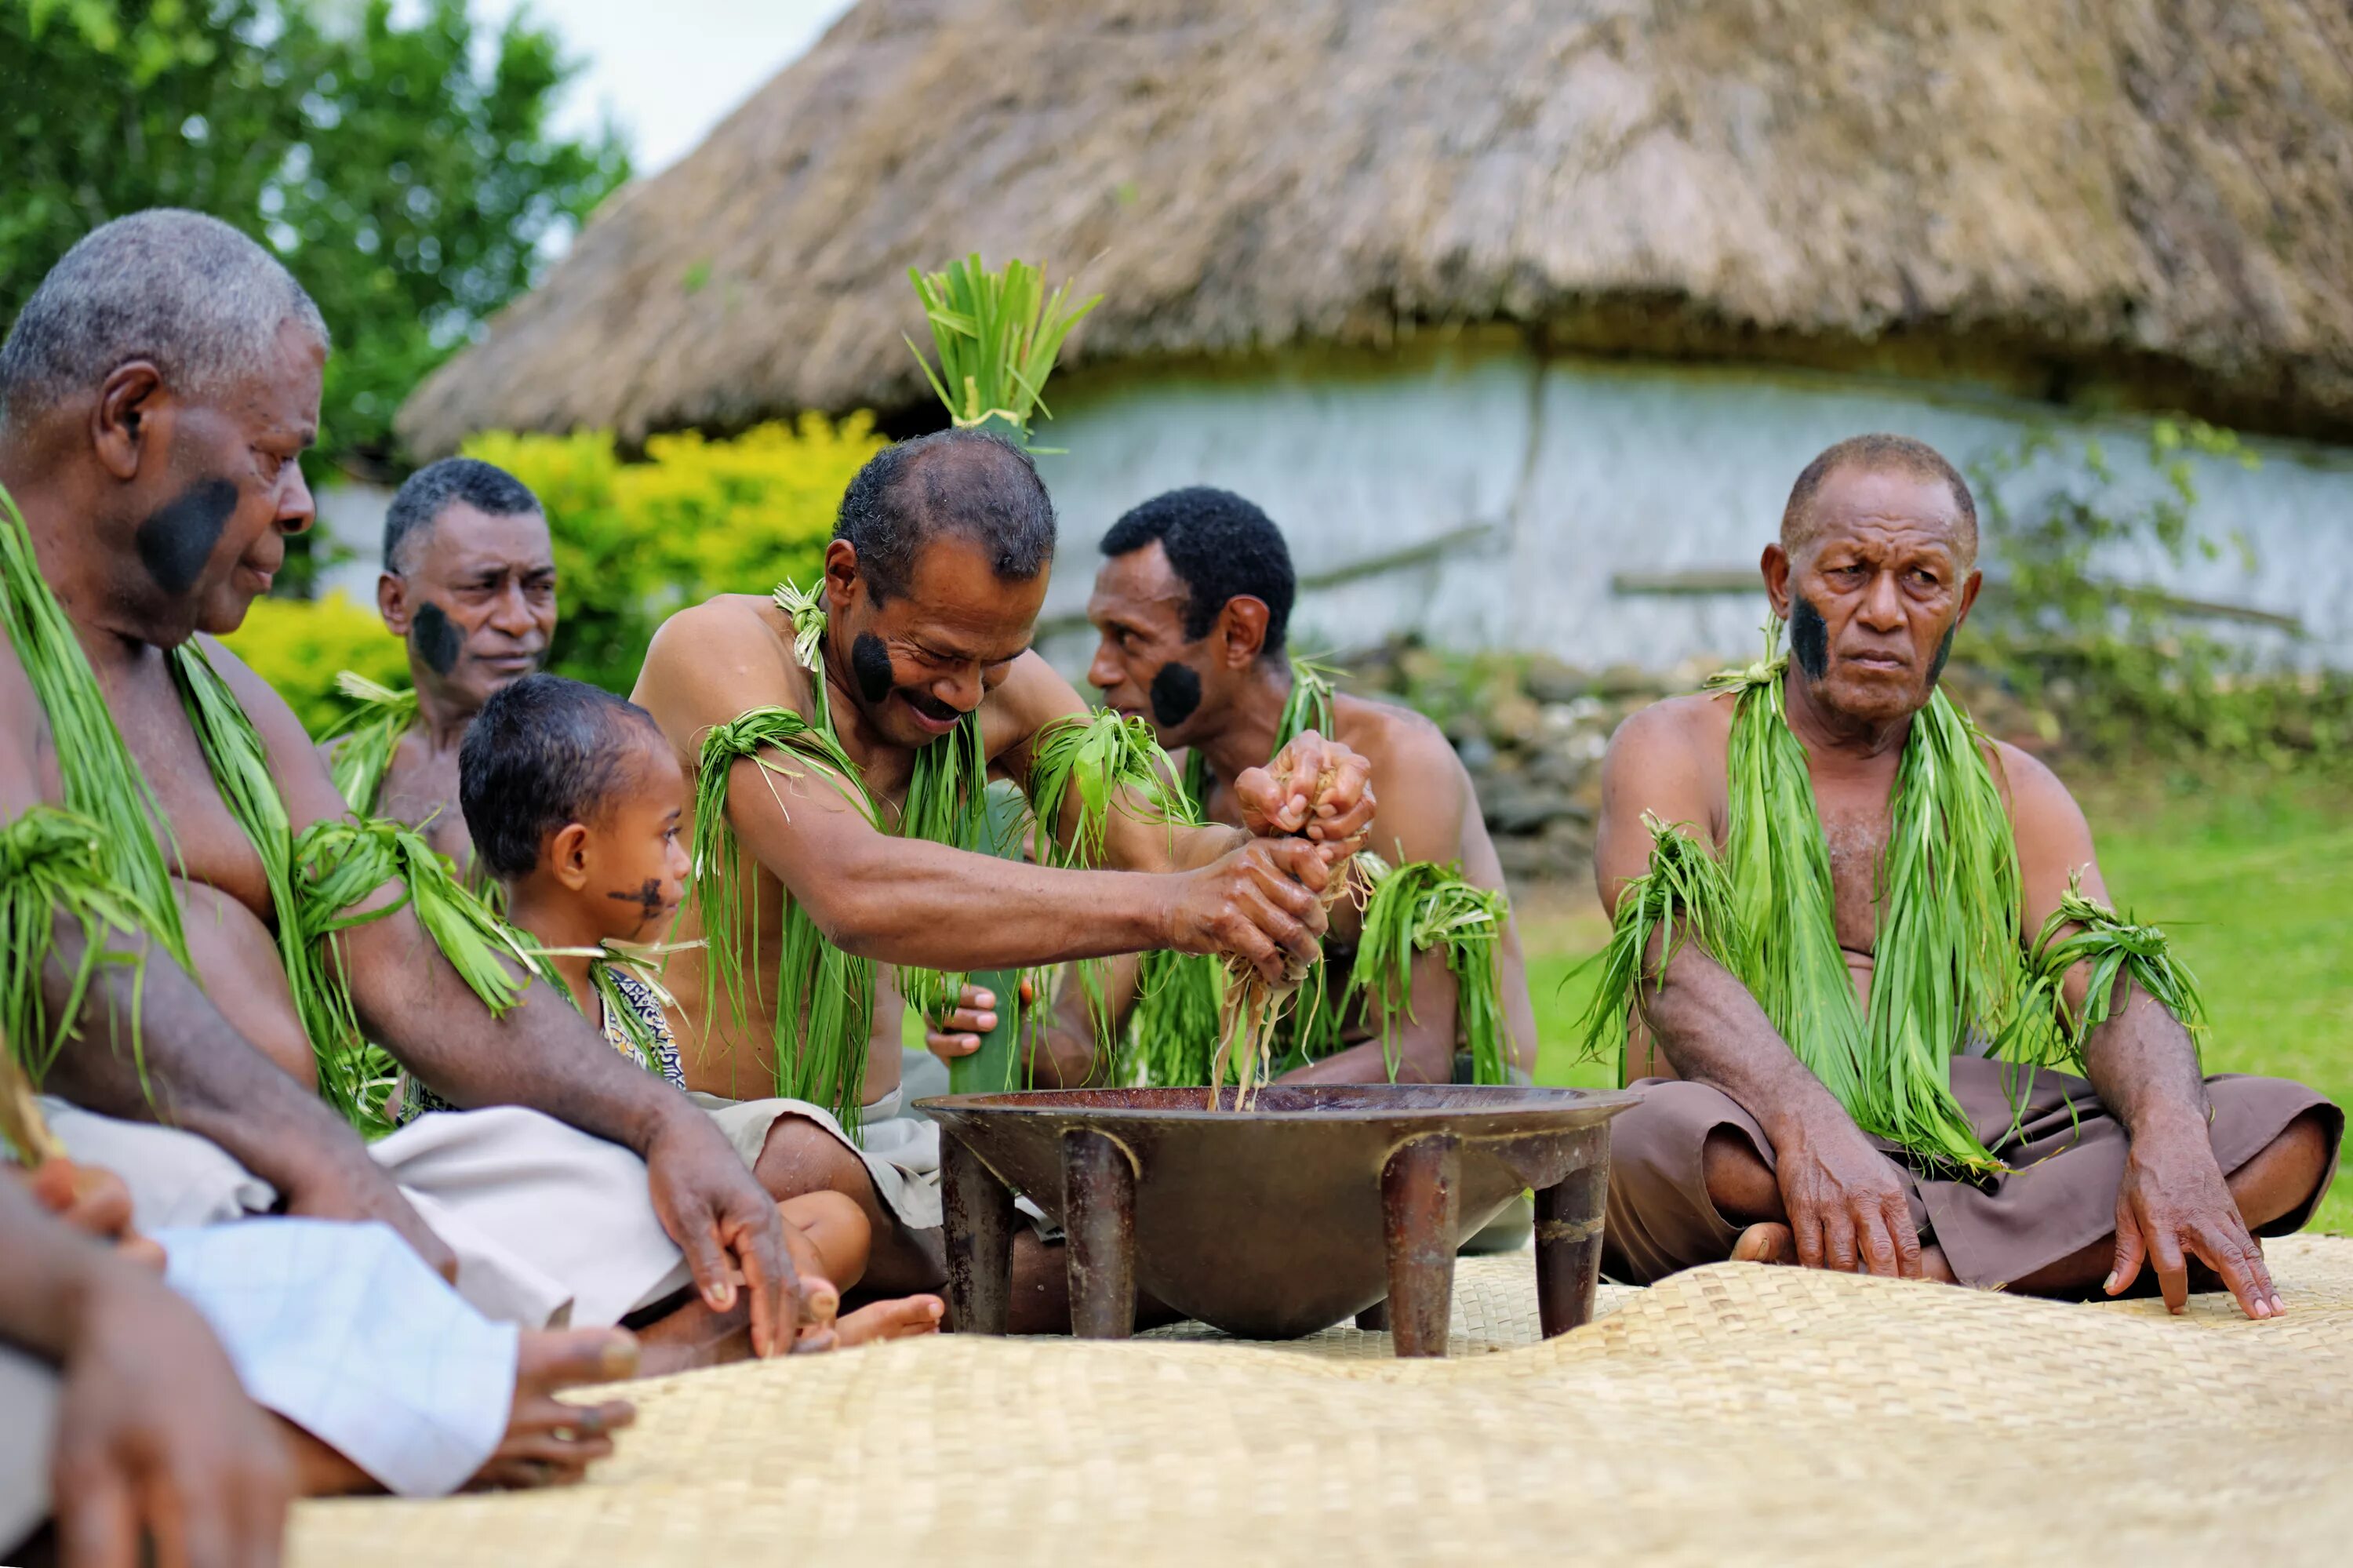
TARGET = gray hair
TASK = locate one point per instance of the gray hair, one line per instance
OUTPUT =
(202, 301)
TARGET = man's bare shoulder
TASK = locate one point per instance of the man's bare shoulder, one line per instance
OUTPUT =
(23, 735)
(1032, 695)
(1395, 739)
(1695, 728)
(714, 661)
(2037, 799)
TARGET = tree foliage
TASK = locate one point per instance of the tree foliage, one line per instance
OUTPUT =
(407, 176)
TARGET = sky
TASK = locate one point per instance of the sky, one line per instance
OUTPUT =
(667, 72)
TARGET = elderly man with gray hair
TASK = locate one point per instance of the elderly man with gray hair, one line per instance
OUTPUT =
(156, 396)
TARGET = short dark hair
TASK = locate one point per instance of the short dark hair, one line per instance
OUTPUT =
(977, 487)
(1875, 453)
(1221, 547)
(544, 753)
(418, 503)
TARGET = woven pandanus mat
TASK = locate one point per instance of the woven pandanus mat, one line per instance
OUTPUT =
(1732, 1414)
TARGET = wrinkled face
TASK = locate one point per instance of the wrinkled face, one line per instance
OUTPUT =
(919, 662)
(477, 604)
(1873, 597)
(225, 494)
(1144, 665)
(637, 866)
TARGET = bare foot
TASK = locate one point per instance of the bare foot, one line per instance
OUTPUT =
(1767, 1243)
(549, 1443)
(902, 1318)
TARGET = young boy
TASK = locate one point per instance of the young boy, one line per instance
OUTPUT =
(573, 800)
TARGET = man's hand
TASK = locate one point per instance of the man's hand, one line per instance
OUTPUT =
(957, 1031)
(155, 1439)
(2172, 1201)
(1263, 902)
(719, 1217)
(1846, 1207)
(358, 1189)
(1314, 788)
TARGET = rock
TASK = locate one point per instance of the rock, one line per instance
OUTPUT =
(1478, 754)
(1550, 681)
(1626, 681)
(1522, 805)
(1523, 860)
(1515, 720)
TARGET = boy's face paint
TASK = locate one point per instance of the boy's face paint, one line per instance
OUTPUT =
(1175, 693)
(176, 541)
(439, 640)
(638, 867)
(1809, 638)
(870, 662)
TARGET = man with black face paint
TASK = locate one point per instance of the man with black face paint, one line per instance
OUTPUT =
(920, 629)
(156, 393)
(1192, 606)
(469, 584)
(1961, 913)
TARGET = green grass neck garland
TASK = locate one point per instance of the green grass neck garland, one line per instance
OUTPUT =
(102, 783)
(1948, 959)
(53, 865)
(365, 739)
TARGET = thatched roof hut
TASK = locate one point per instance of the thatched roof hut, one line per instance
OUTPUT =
(1518, 315)
(2143, 199)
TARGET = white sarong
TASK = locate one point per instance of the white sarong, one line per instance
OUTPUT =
(551, 1226)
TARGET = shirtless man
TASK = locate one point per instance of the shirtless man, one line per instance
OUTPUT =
(1192, 606)
(155, 396)
(1739, 1149)
(469, 584)
(932, 588)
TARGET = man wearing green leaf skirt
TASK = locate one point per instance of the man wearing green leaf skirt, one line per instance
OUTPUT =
(468, 584)
(1855, 940)
(199, 933)
(842, 738)
(1424, 982)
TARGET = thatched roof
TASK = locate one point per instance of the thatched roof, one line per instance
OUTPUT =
(2150, 195)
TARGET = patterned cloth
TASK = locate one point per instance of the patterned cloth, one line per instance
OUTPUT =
(645, 1003)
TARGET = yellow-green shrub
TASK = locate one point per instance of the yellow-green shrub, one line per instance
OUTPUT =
(635, 541)
(298, 645)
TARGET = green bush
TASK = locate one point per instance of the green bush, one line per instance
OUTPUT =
(635, 541)
(299, 645)
(2124, 669)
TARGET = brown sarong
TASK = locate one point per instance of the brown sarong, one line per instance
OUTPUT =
(2058, 1196)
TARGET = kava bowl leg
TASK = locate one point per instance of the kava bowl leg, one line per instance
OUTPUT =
(1420, 1205)
(1099, 1215)
(977, 1212)
(1568, 1237)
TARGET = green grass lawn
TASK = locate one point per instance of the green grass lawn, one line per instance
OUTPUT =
(2253, 879)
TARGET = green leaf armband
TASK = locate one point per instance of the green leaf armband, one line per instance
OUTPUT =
(1413, 909)
(2046, 1029)
(1686, 895)
(337, 865)
(53, 863)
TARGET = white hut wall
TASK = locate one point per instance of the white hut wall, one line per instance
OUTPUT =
(1479, 496)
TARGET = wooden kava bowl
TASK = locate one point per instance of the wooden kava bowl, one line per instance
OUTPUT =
(1319, 1203)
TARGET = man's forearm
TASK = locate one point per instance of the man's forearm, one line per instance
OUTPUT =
(2144, 1066)
(191, 1070)
(1714, 1032)
(908, 902)
(543, 1054)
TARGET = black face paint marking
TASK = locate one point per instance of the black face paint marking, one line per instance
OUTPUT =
(1943, 651)
(647, 897)
(1809, 638)
(869, 661)
(436, 638)
(1176, 692)
(177, 540)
